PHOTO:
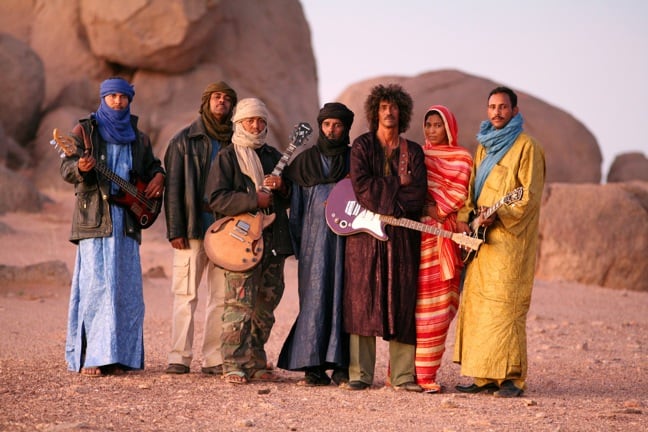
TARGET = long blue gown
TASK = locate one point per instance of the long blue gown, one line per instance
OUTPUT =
(106, 312)
(317, 337)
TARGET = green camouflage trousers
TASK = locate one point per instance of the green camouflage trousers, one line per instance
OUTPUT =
(250, 300)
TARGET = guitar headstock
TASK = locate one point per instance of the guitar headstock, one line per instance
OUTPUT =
(63, 144)
(514, 195)
(301, 133)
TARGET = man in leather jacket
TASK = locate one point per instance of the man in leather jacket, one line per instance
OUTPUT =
(188, 160)
(106, 313)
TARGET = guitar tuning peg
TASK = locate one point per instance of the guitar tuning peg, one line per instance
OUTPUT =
(52, 142)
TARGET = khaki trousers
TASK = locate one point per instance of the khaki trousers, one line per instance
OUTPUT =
(363, 360)
(189, 265)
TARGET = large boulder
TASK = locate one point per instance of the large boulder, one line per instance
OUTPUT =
(595, 234)
(72, 70)
(22, 87)
(466, 96)
(18, 193)
(628, 167)
(12, 155)
(168, 36)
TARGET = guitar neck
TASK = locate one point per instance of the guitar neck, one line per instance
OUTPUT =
(488, 213)
(278, 169)
(126, 186)
(418, 226)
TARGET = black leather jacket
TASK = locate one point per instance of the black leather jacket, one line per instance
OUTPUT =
(91, 217)
(187, 161)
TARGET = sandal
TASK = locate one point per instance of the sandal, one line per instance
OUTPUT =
(263, 375)
(91, 372)
(235, 377)
(431, 388)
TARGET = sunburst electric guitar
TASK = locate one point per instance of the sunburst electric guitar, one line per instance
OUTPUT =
(478, 231)
(345, 216)
(131, 193)
(235, 243)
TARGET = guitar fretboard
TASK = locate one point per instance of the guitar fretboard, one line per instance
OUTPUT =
(418, 226)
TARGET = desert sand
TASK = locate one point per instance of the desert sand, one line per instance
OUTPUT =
(588, 362)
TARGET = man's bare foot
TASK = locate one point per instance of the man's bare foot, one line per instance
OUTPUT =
(91, 371)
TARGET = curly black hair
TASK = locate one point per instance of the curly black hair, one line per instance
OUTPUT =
(391, 93)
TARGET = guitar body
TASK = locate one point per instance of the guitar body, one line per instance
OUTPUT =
(345, 216)
(468, 254)
(235, 243)
(144, 213)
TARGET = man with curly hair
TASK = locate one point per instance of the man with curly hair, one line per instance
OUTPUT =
(389, 178)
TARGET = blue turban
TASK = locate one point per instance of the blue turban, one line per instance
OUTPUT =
(117, 85)
(115, 126)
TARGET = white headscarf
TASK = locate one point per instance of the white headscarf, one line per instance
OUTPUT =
(245, 143)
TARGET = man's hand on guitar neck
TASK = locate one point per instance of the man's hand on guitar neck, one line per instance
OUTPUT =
(86, 163)
(481, 220)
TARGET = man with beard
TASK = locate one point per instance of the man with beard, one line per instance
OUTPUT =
(317, 342)
(106, 316)
(380, 277)
(188, 160)
(241, 182)
(491, 328)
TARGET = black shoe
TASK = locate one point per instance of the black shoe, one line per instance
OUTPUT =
(177, 369)
(356, 385)
(474, 388)
(508, 390)
(340, 376)
(409, 386)
(316, 378)
(213, 370)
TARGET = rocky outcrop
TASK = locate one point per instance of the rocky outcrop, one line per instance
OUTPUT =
(466, 96)
(55, 272)
(628, 167)
(595, 234)
(169, 49)
(22, 87)
(18, 194)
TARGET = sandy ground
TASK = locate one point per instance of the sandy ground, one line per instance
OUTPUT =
(588, 363)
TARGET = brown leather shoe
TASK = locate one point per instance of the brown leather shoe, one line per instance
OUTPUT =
(356, 385)
(474, 388)
(177, 369)
(508, 390)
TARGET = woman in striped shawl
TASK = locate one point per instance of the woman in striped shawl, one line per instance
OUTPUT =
(448, 174)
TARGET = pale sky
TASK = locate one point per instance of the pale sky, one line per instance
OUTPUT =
(586, 57)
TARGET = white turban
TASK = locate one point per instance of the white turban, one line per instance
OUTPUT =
(250, 107)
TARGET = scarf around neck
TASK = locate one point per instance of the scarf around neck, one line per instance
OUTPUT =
(496, 142)
(115, 126)
(245, 145)
(307, 168)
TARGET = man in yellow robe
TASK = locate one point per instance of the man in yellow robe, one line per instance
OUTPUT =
(491, 328)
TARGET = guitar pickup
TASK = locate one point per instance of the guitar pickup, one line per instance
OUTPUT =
(242, 227)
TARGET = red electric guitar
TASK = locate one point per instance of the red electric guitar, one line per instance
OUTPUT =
(131, 194)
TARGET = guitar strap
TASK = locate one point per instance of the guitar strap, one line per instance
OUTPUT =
(405, 178)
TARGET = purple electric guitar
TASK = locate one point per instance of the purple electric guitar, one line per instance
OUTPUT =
(345, 216)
